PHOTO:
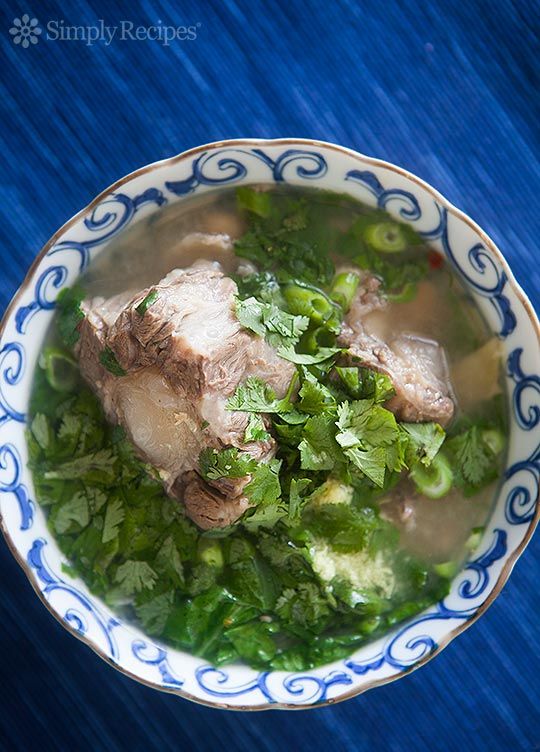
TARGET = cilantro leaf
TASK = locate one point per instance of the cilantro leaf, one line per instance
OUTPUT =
(168, 561)
(289, 236)
(370, 438)
(350, 376)
(315, 398)
(114, 516)
(304, 605)
(154, 613)
(425, 440)
(257, 202)
(70, 516)
(134, 576)
(263, 286)
(474, 462)
(322, 354)
(41, 431)
(264, 486)
(227, 463)
(256, 397)
(267, 320)
(371, 462)
(265, 516)
(70, 315)
(97, 467)
(255, 429)
(318, 448)
(365, 383)
(296, 500)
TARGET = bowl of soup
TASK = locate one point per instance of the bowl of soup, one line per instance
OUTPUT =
(268, 424)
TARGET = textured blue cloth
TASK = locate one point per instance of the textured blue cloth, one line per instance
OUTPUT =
(449, 91)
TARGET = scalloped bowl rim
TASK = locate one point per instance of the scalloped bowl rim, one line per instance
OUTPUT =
(452, 210)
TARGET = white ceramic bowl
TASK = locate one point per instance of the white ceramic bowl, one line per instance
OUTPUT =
(296, 162)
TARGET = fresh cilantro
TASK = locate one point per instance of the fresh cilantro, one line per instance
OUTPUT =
(108, 359)
(41, 431)
(154, 613)
(97, 467)
(371, 462)
(70, 315)
(168, 561)
(315, 397)
(425, 440)
(287, 352)
(227, 463)
(364, 383)
(256, 397)
(71, 515)
(134, 576)
(255, 429)
(350, 376)
(267, 320)
(264, 516)
(475, 464)
(114, 516)
(264, 486)
(257, 202)
(318, 448)
(287, 234)
(304, 606)
(263, 286)
(369, 436)
(296, 500)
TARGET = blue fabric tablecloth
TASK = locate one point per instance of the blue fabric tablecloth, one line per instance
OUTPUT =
(448, 90)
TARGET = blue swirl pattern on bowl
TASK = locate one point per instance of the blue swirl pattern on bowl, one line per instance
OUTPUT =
(485, 276)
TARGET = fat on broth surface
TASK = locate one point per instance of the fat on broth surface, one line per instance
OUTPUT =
(441, 310)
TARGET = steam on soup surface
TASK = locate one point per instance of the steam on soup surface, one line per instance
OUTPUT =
(267, 425)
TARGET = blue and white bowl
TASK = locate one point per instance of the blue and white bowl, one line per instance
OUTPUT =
(296, 162)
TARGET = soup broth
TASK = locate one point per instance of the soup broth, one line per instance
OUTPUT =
(370, 392)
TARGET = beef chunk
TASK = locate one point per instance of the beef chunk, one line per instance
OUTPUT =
(183, 357)
(206, 506)
(416, 366)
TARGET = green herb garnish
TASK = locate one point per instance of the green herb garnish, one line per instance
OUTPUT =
(146, 302)
(107, 358)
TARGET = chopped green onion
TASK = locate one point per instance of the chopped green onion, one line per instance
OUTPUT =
(369, 624)
(494, 439)
(314, 339)
(386, 237)
(304, 300)
(473, 541)
(60, 369)
(344, 289)
(434, 481)
(447, 569)
(145, 304)
(209, 551)
(405, 295)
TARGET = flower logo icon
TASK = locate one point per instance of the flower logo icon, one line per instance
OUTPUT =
(25, 31)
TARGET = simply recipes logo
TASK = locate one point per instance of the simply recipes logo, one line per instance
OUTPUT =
(26, 31)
